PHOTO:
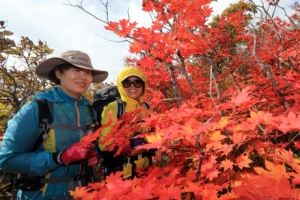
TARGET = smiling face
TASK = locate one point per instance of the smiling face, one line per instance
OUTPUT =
(135, 89)
(74, 81)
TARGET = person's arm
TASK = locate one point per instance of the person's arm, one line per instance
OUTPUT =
(18, 141)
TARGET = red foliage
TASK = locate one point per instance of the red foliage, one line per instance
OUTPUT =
(226, 106)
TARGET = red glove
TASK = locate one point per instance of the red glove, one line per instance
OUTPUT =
(78, 152)
(126, 149)
(93, 161)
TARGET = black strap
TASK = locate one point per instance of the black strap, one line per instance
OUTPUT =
(121, 105)
(45, 118)
(91, 111)
(146, 105)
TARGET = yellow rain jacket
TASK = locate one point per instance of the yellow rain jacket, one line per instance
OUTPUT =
(131, 105)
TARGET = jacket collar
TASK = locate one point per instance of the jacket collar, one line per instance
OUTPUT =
(57, 95)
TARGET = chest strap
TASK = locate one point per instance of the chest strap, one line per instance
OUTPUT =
(70, 180)
(66, 127)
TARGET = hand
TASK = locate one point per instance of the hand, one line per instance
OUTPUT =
(93, 161)
(78, 152)
(126, 149)
(134, 142)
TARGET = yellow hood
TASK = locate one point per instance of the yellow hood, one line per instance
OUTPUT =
(125, 73)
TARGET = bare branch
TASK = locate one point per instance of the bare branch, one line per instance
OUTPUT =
(265, 68)
(80, 6)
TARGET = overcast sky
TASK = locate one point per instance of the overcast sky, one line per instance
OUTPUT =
(64, 27)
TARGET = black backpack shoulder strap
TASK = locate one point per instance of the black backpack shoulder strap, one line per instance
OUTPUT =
(146, 105)
(91, 111)
(121, 105)
(45, 118)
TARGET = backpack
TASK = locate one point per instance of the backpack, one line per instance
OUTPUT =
(46, 118)
(23, 181)
(106, 95)
(102, 98)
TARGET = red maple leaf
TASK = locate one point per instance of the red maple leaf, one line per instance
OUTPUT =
(213, 174)
(147, 6)
(119, 186)
(149, 121)
(297, 144)
(112, 26)
(238, 137)
(242, 96)
(170, 192)
(296, 178)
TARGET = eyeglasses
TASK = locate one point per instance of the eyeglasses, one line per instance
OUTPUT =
(137, 83)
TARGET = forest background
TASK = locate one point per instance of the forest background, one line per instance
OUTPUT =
(225, 95)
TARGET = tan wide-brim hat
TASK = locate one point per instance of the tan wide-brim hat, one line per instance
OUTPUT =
(72, 57)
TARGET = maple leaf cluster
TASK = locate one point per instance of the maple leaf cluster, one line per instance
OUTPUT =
(226, 105)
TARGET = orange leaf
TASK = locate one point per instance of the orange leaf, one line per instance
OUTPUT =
(226, 164)
(225, 150)
(243, 126)
(276, 172)
(135, 47)
(213, 174)
(243, 161)
(154, 138)
(90, 137)
(238, 137)
(286, 155)
(216, 136)
(154, 142)
(79, 192)
(223, 123)
(188, 132)
(259, 117)
(114, 176)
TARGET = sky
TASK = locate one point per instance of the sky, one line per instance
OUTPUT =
(64, 27)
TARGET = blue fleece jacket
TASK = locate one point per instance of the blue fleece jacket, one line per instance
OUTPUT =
(21, 134)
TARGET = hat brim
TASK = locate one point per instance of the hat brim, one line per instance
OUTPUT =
(47, 66)
(132, 75)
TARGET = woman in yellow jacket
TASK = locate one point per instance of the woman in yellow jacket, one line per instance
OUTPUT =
(132, 85)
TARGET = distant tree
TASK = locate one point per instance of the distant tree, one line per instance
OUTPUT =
(18, 81)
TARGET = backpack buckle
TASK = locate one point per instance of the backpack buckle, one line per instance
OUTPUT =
(45, 128)
(44, 125)
(126, 161)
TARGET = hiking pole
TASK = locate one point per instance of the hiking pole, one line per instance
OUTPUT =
(84, 178)
(86, 174)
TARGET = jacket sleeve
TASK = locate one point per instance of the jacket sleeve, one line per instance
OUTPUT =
(110, 108)
(19, 138)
